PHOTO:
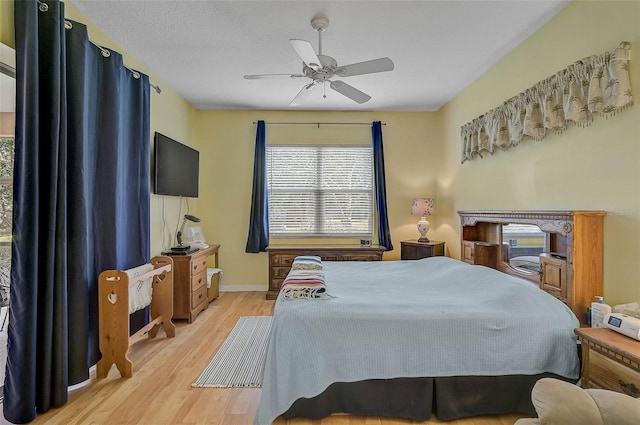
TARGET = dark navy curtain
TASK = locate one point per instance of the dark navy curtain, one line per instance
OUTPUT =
(81, 201)
(384, 235)
(258, 238)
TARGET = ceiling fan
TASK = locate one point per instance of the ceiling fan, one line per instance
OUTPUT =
(322, 69)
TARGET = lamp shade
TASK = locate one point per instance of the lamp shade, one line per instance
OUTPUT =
(422, 206)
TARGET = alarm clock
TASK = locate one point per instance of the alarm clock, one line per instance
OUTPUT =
(624, 324)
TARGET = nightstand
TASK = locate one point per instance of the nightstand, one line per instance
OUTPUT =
(610, 361)
(414, 250)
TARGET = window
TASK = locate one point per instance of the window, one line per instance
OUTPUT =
(6, 194)
(7, 146)
(324, 191)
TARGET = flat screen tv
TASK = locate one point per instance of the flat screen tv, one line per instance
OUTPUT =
(176, 168)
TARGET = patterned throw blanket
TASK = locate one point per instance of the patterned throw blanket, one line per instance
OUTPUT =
(307, 262)
(305, 280)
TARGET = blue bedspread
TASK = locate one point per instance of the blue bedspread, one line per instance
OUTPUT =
(424, 318)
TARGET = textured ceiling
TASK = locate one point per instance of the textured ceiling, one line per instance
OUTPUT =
(202, 49)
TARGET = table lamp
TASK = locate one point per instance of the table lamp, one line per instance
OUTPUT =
(180, 246)
(422, 207)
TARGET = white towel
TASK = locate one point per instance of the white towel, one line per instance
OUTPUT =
(140, 293)
(210, 273)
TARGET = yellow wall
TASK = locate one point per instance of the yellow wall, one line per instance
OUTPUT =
(596, 167)
(227, 138)
(6, 23)
(584, 168)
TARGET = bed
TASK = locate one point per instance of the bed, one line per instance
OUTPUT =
(432, 332)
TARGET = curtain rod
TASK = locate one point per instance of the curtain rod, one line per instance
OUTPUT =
(43, 7)
(318, 123)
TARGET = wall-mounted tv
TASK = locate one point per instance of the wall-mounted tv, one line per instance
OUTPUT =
(176, 168)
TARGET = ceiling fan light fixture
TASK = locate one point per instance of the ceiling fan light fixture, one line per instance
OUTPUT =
(319, 68)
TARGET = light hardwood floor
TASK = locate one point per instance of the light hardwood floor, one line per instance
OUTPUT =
(160, 390)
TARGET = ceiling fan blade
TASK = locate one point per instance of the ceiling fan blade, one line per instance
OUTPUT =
(303, 94)
(306, 53)
(260, 76)
(368, 67)
(350, 91)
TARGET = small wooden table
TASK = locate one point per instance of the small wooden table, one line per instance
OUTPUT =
(610, 361)
(414, 250)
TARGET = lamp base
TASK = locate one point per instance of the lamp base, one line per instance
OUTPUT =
(423, 228)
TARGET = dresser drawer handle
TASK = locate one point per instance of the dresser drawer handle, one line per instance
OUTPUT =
(629, 388)
(199, 280)
(200, 296)
(195, 266)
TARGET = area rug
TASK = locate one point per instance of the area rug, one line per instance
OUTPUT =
(240, 359)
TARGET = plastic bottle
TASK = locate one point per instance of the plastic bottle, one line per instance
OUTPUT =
(598, 310)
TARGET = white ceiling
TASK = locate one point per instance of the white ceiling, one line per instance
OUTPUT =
(202, 49)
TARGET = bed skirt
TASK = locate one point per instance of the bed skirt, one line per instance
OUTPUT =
(448, 398)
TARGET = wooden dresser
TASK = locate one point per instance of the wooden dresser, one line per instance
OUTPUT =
(571, 266)
(190, 283)
(281, 258)
(610, 361)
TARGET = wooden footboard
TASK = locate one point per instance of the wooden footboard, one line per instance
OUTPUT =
(114, 287)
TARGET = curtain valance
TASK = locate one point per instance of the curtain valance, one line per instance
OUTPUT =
(596, 85)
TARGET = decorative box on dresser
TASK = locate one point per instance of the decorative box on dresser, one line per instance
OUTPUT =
(190, 283)
(414, 250)
(571, 266)
(281, 258)
(610, 361)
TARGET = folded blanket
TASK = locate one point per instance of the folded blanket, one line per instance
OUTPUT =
(304, 284)
(140, 293)
(307, 262)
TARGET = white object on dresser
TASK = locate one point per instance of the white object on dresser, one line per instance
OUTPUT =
(624, 324)
(598, 313)
(194, 236)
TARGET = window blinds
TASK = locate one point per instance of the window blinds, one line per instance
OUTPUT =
(320, 190)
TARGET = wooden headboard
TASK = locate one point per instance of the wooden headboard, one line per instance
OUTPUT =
(571, 264)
